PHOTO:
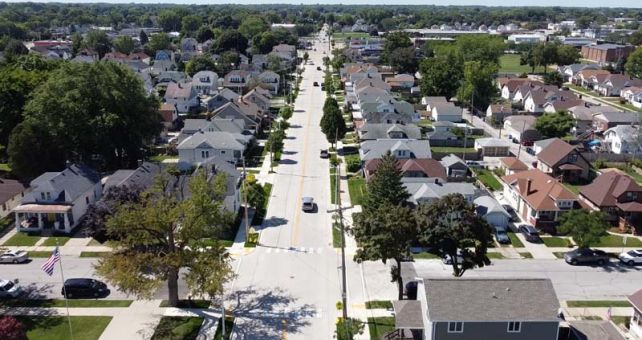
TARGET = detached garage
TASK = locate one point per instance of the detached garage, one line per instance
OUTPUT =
(493, 212)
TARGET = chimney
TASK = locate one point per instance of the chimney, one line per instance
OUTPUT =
(67, 164)
(528, 186)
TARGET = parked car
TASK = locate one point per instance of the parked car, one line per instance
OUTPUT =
(530, 233)
(14, 256)
(318, 68)
(308, 204)
(501, 236)
(473, 164)
(83, 287)
(631, 257)
(586, 255)
(315, 84)
(324, 153)
(9, 289)
(509, 209)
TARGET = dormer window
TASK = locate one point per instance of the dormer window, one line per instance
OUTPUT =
(48, 196)
(42, 196)
(572, 157)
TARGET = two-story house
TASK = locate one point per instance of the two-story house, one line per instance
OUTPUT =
(11, 193)
(58, 200)
(559, 158)
(219, 99)
(409, 167)
(603, 121)
(471, 309)
(203, 145)
(271, 80)
(237, 80)
(624, 139)
(182, 95)
(372, 131)
(635, 328)
(618, 196)
(400, 149)
(205, 82)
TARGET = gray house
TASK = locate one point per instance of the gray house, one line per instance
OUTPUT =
(455, 166)
(139, 178)
(371, 131)
(400, 148)
(473, 309)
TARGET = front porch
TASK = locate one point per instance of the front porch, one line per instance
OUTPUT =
(40, 217)
(629, 218)
(570, 173)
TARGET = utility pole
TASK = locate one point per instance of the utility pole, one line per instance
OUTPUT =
(344, 294)
(247, 222)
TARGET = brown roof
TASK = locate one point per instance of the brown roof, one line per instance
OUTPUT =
(430, 167)
(9, 188)
(565, 104)
(167, 111)
(590, 73)
(513, 84)
(544, 189)
(512, 163)
(555, 152)
(607, 187)
(636, 299)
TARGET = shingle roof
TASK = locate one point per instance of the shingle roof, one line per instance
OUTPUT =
(422, 189)
(142, 177)
(486, 205)
(430, 167)
(555, 152)
(620, 117)
(381, 130)
(492, 142)
(491, 300)
(595, 330)
(74, 181)
(512, 163)
(636, 300)
(450, 160)
(215, 140)
(9, 188)
(607, 187)
(544, 189)
(377, 148)
(179, 90)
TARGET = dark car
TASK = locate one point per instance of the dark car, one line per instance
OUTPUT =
(511, 212)
(315, 84)
(324, 153)
(530, 233)
(586, 255)
(411, 290)
(501, 236)
(77, 288)
(318, 68)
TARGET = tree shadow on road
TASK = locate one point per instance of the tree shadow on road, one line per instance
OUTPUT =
(274, 222)
(287, 161)
(268, 314)
(36, 292)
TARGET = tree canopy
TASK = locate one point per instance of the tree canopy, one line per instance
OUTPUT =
(633, 64)
(333, 125)
(478, 84)
(203, 62)
(441, 75)
(230, 40)
(585, 227)
(99, 42)
(385, 186)
(124, 44)
(554, 124)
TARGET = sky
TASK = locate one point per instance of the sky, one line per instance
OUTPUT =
(566, 3)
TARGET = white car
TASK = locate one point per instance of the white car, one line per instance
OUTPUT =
(631, 257)
(14, 256)
(9, 289)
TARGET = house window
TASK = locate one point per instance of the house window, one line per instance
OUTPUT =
(48, 195)
(205, 154)
(572, 158)
(455, 327)
(514, 327)
(87, 199)
(42, 196)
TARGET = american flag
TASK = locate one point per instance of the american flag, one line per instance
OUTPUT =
(48, 267)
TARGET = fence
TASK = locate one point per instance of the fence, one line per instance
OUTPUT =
(605, 156)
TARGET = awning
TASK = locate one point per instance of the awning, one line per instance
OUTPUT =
(570, 167)
(42, 208)
(408, 314)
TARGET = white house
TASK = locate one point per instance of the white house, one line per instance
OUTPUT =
(203, 145)
(205, 82)
(11, 193)
(635, 328)
(271, 80)
(446, 112)
(624, 139)
(58, 200)
(183, 95)
(492, 211)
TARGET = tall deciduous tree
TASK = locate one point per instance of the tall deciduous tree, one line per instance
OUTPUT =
(99, 42)
(633, 64)
(545, 54)
(585, 227)
(450, 226)
(567, 55)
(478, 84)
(230, 40)
(143, 38)
(95, 220)
(553, 78)
(385, 186)
(441, 75)
(554, 124)
(332, 123)
(124, 44)
(169, 20)
(159, 41)
(203, 62)
(160, 235)
(404, 60)
(253, 25)
(485, 49)
(383, 233)
(394, 40)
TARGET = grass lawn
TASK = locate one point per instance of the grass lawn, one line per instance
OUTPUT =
(39, 254)
(488, 179)
(336, 236)
(526, 255)
(177, 328)
(495, 255)
(380, 326)
(556, 241)
(514, 240)
(509, 63)
(573, 188)
(74, 303)
(598, 303)
(93, 253)
(161, 158)
(22, 240)
(333, 186)
(229, 324)
(425, 256)
(618, 241)
(451, 149)
(626, 320)
(357, 189)
(376, 304)
(4, 167)
(57, 327)
(56, 241)
(188, 303)
(425, 123)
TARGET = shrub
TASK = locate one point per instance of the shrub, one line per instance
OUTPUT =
(347, 329)
(11, 328)
(599, 164)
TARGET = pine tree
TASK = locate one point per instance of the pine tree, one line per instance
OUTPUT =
(385, 185)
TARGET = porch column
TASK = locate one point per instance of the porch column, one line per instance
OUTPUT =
(40, 224)
(67, 226)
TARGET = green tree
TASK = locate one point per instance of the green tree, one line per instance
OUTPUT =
(332, 124)
(553, 78)
(346, 330)
(404, 60)
(442, 75)
(33, 150)
(585, 227)
(478, 84)
(143, 38)
(253, 25)
(554, 124)
(383, 233)
(633, 64)
(230, 40)
(545, 54)
(158, 42)
(88, 112)
(169, 20)
(190, 23)
(385, 186)
(160, 235)
(567, 55)
(528, 58)
(394, 40)
(204, 34)
(256, 197)
(485, 49)
(124, 44)
(264, 42)
(203, 62)
(77, 42)
(450, 226)
(14, 49)
(99, 42)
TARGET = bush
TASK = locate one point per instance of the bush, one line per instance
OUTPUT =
(353, 164)
(286, 112)
(11, 328)
(347, 329)
(599, 164)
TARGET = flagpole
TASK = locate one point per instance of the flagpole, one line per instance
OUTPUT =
(64, 290)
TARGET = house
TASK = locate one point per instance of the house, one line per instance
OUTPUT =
(446, 112)
(170, 115)
(191, 126)
(400, 148)
(166, 77)
(562, 104)
(182, 95)
(401, 81)
(492, 147)
(249, 112)
(635, 328)
(140, 178)
(430, 102)
(606, 53)
(271, 80)
(569, 72)
(203, 145)
(479, 308)
(258, 97)
(497, 112)
(455, 166)
(603, 121)
(237, 80)
(163, 65)
(539, 145)
(212, 167)
(615, 83)
(617, 195)
(512, 165)
(371, 131)
(219, 99)
(260, 61)
(441, 136)
(562, 160)
(58, 200)
(285, 48)
(427, 190)
(521, 128)
(510, 87)
(205, 82)
(583, 115)
(409, 167)
(492, 211)
(11, 193)
(624, 139)
(633, 95)
(538, 198)
(589, 78)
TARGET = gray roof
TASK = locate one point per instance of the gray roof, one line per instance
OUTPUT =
(380, 130)
(408, 314)
(544, 142)
(450, 160)
(227, 94)
(448, 109)
(460, 299)
(486, 205)
(494, 142)
(214, 140)
(621, 117)
(192, 125)
(142, 177)
(426, 189)
(595, 330)
(607, 46)
(627, 133)
(441, 135)
(374, 149)
(73, 181)
(444, 123)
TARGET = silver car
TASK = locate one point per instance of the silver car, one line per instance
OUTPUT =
(9, 289)
(14, 256)
(308, 204)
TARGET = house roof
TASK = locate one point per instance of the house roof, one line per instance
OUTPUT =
(565, 104)
(607, 187)
(595, 330)
(214, 140)
(619, 117)
(513, 163)
(441, 135)
(460, 299)
(430, 167)
(581, 112)
(408, 314)
(491, 142)
(74, 181)
(627, 133)
(142, 177)
(227, 94)
(544, 189)
(9, 188)
(447, 109)
(636, 300)
(486, 205)
(450, 160)
(377, 148)
(381, 130)
(519, 123)
(179, 90)
(555, 152)
(421, 189)
(590, 73)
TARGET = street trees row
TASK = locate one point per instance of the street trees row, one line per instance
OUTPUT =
(544, 54)
(333, 125)
(388, 226)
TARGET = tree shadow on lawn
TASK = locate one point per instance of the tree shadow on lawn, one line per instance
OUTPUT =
(268, 314)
